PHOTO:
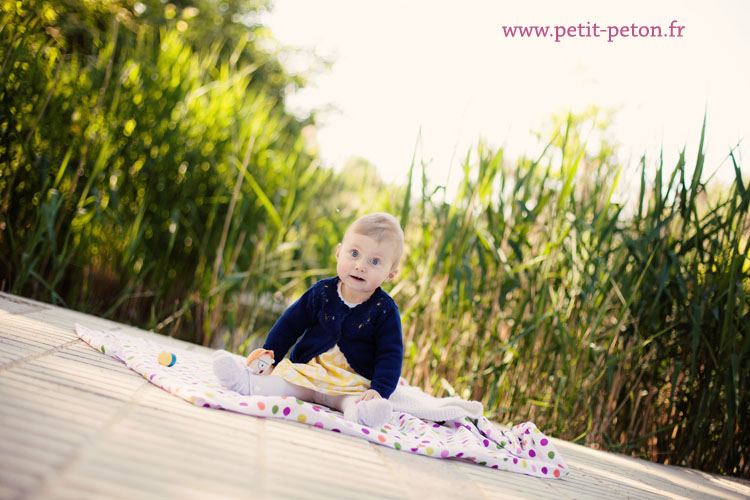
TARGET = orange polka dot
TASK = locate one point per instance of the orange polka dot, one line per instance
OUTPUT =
(556, 473)
(261, 405)
(381, 438)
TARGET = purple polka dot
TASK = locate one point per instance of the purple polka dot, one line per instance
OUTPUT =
(544, 442)
(486, 443)
(319, 424)
(459, 455)
(544, 470)
(243, 404)
(287, 411)
(532, 453)
(515, 460)
(444, 454)
(494, 467)
(335, 430)
(365, 430)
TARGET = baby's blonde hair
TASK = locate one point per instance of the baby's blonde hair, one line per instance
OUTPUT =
(380, 226)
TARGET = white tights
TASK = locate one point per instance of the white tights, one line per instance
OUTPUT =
(234, 375)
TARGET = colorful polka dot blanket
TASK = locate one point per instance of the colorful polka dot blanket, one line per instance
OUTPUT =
(188, 375)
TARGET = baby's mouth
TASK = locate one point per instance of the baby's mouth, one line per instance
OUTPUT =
(357, 278)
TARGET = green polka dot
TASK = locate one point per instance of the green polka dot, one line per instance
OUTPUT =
(300, 402)
(397, 446)
(482, 463)
(275, 409)
(103, 349)
(551, 454)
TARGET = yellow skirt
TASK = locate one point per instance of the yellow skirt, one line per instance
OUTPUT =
(328, 373)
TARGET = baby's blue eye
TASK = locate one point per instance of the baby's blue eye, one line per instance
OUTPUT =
(355, 253)
(375, 262)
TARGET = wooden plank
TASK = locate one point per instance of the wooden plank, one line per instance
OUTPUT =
(65, 319)
(12, 304)
(16, 482)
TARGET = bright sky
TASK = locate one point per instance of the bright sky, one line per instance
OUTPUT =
(447, 68)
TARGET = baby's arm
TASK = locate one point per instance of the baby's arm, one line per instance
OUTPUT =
(389, 355)
(290, 326)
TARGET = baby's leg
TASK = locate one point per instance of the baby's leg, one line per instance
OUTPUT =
(273, 385)
(234, 374)
(373, 412)
(231, 372)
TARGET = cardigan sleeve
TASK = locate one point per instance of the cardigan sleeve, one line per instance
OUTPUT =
(291, 325)
(389, 354)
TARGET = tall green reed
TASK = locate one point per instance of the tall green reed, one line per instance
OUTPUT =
(148, 181)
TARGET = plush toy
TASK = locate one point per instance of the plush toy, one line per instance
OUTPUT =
(260, 362)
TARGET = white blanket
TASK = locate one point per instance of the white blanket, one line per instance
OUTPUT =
(463, 433)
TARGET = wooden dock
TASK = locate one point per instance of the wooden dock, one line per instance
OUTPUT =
(75, 423)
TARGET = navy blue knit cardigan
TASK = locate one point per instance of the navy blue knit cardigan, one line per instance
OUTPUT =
(369, 335)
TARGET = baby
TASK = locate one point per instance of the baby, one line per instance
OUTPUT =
(350, 348)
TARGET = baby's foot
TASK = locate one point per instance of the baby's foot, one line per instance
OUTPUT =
(231, 372)
(374, 412)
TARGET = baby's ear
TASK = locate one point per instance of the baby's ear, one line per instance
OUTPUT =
(392, 275)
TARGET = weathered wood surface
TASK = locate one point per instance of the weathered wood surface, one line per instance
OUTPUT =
(75, 423)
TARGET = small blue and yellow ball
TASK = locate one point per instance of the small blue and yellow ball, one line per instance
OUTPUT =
(167, 358)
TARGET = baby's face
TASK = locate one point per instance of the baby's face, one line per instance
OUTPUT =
(363, 264)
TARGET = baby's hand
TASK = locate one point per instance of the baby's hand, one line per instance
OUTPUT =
(369, 394)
